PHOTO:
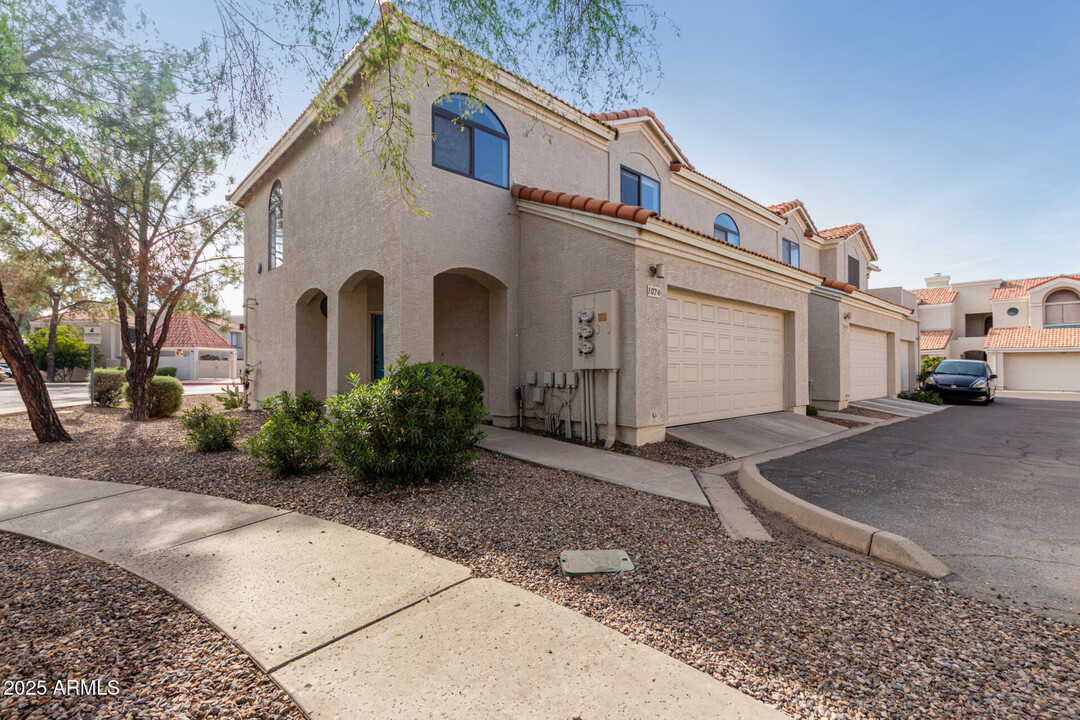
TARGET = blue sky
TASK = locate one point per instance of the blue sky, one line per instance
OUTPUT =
(948, 128)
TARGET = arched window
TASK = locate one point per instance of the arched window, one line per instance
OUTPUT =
(1062, 308)
(468, 139)
(724, 228)
(277, 226)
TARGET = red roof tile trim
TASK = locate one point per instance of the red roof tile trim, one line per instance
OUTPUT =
(935, 296)
(784, 208)
(634, 213)
(934, 339)
(189, 331)
(845, 231)
(1020, 288)
(642, 112)
(1032, 338)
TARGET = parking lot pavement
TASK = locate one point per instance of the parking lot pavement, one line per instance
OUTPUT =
(991, 491)
(72, 394)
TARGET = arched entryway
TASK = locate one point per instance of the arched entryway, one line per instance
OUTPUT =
(470, 327)
(311, 312)
(360, 348)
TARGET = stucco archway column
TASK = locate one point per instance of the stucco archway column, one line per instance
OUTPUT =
(408, 319)
(502, 353)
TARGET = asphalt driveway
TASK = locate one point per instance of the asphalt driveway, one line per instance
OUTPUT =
(994, 492)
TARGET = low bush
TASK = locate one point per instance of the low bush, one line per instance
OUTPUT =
(418, 424)
(811, 411)
(166, 396)
(165, 372)
(108, 386)
(290, 442)
(232, 399)
(208, 431)
(923, 396)
(928, 365)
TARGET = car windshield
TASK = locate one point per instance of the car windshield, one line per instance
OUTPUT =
(959, 367)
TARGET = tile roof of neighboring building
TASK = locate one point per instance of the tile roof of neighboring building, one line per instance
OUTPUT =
(935, 296)
(643, 112)
(784, 208)
(843, 232)
(934, 339)
(189, 331)
(1032, 338)
(1020, 288)
(227, 324)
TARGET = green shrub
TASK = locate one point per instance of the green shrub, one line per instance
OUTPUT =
(165, 372)
(418, 424)
(811, 411)
(108, 386)
(923, 396)
(232, 399)
(208, 431)
(166, 396)
(70, 351)
(290, 442)
(928, 365)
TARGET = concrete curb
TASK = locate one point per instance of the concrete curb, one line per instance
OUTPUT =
(886, 546)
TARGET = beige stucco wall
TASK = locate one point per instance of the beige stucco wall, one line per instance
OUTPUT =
(1002, 318)
(936, 317)
(829, 344)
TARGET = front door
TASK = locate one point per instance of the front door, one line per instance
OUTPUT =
(377, 361)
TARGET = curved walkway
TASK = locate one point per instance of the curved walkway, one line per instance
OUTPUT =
(354, 625)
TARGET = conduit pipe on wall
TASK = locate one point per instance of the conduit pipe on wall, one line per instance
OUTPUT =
(612, 375)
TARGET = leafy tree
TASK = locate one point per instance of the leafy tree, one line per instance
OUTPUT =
(68, 350)
(928, 365)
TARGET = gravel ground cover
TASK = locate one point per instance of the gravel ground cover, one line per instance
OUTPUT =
(808, 628)
(863, 412)
(68, 617)
(672, 452)
(840, 421)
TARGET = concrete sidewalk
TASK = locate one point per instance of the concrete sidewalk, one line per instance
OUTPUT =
(354, 625)
(670, 481)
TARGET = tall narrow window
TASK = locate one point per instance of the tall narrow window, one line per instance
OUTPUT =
(638, 189)
(854, 276)
(724, 228)
(791, 252)
(468, 139)
(277, 226)
(1062, 308)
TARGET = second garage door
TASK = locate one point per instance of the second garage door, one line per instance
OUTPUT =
(724, 359)
(1042, 371)
(868, 360)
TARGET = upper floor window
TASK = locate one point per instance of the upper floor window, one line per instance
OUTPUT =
(791, 252)
(854, 275)
(724, 228)
(638, 189)
(277, 226)
(469, 139)
(234, 339)
(1062, 308)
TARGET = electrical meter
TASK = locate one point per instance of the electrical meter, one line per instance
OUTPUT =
(586, 347)
(586, 331)
(596, 330)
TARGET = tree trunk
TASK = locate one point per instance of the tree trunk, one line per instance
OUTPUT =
(50, 349)
(43, 418)
(139, 378)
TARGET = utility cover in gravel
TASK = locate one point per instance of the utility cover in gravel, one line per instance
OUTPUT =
(82, 639)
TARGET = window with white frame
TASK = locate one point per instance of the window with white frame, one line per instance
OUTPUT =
(277, 226)
(791, 252)
(724, 228)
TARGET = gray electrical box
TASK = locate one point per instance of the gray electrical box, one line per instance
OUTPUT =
(595, 328)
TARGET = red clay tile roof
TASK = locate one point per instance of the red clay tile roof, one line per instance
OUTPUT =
(845, 231)
(1027, 337)
(935, 296)
(1020, 288)
(643, 112)
(934, 339)
(188, 331)
(634, 213)
(784, 208)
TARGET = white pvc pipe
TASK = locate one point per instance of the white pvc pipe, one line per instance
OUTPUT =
(611, 390)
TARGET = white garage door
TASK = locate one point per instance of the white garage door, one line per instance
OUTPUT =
(724, 359)
(1042, 371)
(905, 365)
(868, 360)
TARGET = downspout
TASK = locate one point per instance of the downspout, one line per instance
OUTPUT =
(612, 376)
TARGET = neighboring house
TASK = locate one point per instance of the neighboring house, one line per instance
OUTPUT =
(710, 312)
(1028, 330)
(193, 347)
(232, 331)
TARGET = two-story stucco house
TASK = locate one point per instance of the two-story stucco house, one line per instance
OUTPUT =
(1028, 330)
(588, 271)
